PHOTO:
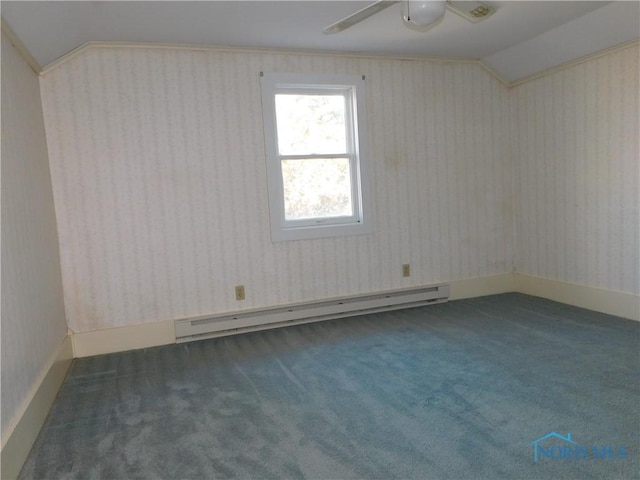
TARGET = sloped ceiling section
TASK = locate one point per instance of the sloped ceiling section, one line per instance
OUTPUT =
(521, 39)
(608, 26)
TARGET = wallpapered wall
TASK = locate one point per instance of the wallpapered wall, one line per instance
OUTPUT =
(33, 320)
(159, 179)
(578, 173)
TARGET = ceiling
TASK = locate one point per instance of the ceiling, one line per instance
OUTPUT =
(521, 38)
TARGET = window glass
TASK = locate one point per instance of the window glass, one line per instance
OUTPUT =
(319, 187)
(310, 124)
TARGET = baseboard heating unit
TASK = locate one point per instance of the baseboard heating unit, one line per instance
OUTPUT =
(189, 329)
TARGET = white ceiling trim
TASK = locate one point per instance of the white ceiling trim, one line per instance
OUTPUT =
(16, 42)
(38, 69)
(169, 46)
(577, 61)
(213, 48)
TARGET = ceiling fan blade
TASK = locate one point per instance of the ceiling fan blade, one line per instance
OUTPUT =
(359, 16)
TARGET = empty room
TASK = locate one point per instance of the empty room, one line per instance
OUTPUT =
(320, 239)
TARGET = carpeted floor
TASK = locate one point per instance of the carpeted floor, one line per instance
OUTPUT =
(458, 390)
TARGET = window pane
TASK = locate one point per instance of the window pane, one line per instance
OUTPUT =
(310, 124)
(316, 188)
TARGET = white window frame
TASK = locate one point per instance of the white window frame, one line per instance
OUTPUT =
(352, 87)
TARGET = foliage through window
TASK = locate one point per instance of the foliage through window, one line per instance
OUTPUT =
(314, 138)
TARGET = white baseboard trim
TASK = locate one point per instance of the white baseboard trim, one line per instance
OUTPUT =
(154, 334)
(620, 304)
(481, 286)
(121, 339)
(18, 438)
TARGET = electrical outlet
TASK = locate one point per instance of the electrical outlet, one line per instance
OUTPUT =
(240, 292)
(406, 270)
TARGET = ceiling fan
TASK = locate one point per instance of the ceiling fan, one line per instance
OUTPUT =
(418, 15)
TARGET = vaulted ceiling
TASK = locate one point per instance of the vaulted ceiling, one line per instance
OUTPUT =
(520, 39)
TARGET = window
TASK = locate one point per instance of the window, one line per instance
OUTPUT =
(316, 167)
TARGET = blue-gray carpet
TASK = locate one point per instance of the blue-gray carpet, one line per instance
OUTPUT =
(457, 390)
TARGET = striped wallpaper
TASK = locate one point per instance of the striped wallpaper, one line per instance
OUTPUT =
(159, 180)
(578, 173)
(33, 317)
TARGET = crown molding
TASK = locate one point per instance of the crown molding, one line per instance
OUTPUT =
(493, 73)
(17, 43)
(247, 50)
(205, 48)
(572, 63)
